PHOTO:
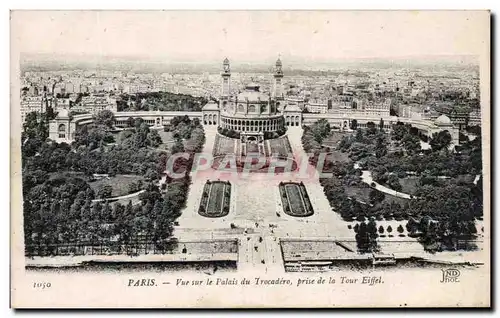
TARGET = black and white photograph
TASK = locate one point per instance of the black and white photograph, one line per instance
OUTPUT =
(250, 158)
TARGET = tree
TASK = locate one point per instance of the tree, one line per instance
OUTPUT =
(132, 187)
(118, 211)
(130, 122)
(400, 229)
(49, 113)
(411, 143)
(138, 122)
(381, 229)
(196, 122)
(35, 127)
(376, 196)
(399, 130)
(381, 124)
(356, 228)
(389, 229)
(106, 211)
(320, 130)
(440, 140)
(359, 135)
(412, 226)
(354, 124)
(362, 238)
(104, 191)
(177, 147)
(366, 237)
(105, 118)
(154, 139)
(372, 229)
(380, 148)
(393, 183)
(371, 127)
(157, 208)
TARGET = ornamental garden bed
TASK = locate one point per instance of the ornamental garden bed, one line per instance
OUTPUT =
(280, 147)
(215, 199)
(295, 200)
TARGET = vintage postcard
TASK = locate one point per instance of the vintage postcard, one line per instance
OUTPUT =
(250, 159)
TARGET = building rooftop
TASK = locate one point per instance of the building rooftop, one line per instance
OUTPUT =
(292, 108)
(211, 106)
(62, 113)
(443, 120)
(252, 94)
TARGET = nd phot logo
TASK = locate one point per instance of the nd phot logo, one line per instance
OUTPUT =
(450, 275)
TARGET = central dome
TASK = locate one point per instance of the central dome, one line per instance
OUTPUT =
(443, 120)
(252, 93)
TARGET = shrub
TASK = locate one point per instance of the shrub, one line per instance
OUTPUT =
(400, 229)
(356, 228)
(381, 229)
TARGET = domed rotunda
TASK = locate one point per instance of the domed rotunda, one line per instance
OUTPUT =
(252, 113)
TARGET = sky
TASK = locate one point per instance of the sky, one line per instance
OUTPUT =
(250, 35)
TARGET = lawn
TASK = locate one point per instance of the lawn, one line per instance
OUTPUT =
(334, 138)
(295, 200)
(467, 178)
(167, 140)
(72, 174)
(337, 156)
(215, 199)
(409, 185)
(119, 183)
(280, 146)
(363, 195)
(223, 145)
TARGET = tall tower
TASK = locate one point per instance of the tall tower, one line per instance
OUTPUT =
(278, 81)
(226, 76)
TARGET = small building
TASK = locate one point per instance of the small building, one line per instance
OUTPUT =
(62, 129)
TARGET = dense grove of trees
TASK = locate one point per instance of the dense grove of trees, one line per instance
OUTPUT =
(372, 152)
(95, 151)
(442, 211)
(230, 133)
(314, 135)
(36, 125)
(163, 101)
(275, 134)
(58, 207)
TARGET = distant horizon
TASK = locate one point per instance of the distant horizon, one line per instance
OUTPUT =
(42, 56)
(55, 62)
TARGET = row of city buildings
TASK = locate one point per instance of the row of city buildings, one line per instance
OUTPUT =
(402, 93)
(254, 115)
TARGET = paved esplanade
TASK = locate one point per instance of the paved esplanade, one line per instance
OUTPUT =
(255, 202)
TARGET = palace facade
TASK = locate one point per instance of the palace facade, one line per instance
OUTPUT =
(251, 113)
